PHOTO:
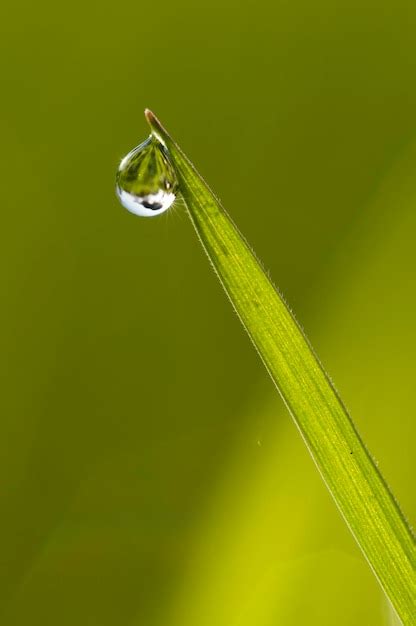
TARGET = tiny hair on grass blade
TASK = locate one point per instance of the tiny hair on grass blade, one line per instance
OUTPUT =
(360, 492)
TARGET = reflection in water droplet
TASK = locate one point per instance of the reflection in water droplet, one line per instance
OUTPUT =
(146, 182)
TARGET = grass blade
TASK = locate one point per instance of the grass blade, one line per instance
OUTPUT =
(349, 472)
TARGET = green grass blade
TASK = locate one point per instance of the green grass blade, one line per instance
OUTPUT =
(349, 472)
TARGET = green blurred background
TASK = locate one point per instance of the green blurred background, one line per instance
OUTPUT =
(149, 473)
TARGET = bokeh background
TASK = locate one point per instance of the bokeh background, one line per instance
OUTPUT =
(149, 473)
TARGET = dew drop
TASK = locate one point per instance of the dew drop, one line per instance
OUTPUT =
(146, 182)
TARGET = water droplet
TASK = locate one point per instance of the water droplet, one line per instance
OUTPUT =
(146, 182)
